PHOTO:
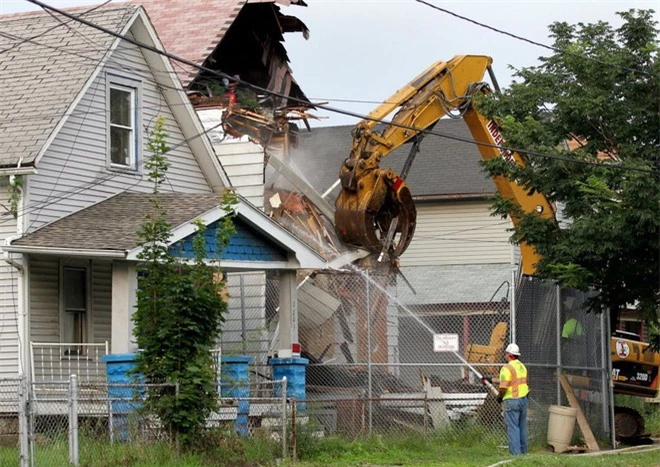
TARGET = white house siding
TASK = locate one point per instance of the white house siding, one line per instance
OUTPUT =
(73, 172)
(244, 330)
(243, 162)
(8, 291)
(458, 233)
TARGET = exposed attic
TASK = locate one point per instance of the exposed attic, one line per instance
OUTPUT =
(253, 49)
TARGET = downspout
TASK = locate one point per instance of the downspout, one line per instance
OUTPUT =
(23, 367)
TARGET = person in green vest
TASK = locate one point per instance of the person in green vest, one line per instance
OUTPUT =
(572, 328)
(573, 346)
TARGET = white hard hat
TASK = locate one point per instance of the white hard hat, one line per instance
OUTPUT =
(513, 349)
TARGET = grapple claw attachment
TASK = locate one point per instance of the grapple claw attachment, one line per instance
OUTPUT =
(364, 217)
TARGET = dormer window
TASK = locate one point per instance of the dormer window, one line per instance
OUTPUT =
(123, 123)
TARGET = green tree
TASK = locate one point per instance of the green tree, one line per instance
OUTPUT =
(179, 312)
(596, 100)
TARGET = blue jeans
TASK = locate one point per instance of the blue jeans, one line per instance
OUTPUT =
(515, 415)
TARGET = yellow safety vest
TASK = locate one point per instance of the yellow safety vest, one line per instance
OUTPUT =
(513, 377)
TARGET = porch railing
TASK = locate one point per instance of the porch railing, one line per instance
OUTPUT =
(57, 361)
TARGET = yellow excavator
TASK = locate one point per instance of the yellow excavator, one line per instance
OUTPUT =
(375, 208)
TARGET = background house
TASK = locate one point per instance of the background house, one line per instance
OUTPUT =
(458, 266)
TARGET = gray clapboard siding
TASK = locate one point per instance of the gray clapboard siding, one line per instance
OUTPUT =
(248, 313)
(73, 172)
(44, 299)
(8, 291)
(101, 309)
(458, 233)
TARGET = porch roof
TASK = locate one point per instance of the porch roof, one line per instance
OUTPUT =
(109, 229)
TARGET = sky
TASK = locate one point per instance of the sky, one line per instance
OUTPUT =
(367, 49)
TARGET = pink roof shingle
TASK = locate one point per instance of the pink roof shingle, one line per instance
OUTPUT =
(192, 28)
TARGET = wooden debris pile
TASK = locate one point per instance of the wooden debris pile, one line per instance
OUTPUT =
(297, 214)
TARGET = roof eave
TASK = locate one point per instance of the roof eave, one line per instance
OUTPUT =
(454, 197)
(58, 251)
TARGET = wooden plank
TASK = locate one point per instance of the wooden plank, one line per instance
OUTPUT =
(582, 421)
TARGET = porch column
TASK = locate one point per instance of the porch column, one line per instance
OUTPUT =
(288, 313)
(124, 300)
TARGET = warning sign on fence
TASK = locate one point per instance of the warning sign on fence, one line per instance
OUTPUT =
(445, 342)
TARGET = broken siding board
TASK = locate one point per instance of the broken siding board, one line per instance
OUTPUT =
(458, 233)
(75, 165)
(315, 306)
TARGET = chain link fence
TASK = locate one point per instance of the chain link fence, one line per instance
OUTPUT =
(390, 354)
(72, 423)
(560, 338)
(13, 434)
(374, 366)
(370, 340)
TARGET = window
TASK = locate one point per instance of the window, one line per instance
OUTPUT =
(74, 308)
(123, 123)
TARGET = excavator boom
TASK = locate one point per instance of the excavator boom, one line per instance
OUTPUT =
(375, 209)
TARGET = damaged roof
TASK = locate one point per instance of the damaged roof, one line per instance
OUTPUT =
(43, 67)
(192, 29)
(443, 169)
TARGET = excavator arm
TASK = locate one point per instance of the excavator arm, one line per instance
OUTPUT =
(374, 209)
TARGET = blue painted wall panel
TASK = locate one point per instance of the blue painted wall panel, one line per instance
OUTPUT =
(245, 245)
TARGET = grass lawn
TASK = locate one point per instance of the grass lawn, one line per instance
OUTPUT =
(466, 447)
(333, 452)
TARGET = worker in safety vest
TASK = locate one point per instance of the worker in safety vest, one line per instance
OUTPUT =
(513, 393)
(572, 328)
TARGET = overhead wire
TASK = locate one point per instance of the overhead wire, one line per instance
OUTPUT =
(339, 110)
(6, 217)
(81, 124)
(526, 152)
(530, 41)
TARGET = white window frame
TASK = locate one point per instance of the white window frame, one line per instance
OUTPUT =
(87, 325)
(134, 87)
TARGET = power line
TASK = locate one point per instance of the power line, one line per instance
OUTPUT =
(254, 87)
(524, 39)
(96, 182)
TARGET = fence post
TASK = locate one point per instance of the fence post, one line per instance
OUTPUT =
(294, 431)
(369, 367)
(284, 418)
(23, 435)
(558, 331)
(512, 304)
(73, 420)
